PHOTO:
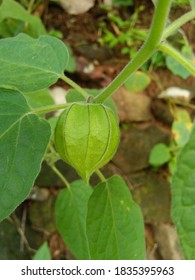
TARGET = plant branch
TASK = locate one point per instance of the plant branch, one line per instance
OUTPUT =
(48, 109)
(184, 104)
(174, 26)
(59, 174)
(30, 6)
(145, 52)
(166, 48)
(100, 175)
(74, 85)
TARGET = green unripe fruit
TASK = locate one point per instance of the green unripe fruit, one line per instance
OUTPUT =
(86, 137)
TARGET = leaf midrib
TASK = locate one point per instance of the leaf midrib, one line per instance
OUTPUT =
(30, 66)
(15, 123)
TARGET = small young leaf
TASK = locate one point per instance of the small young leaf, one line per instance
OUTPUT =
(176, 68)
(183, 197)
(115, 227)
(181, 132)
(23, 140)
(71, 66)
(137, 82)
(183, 116)
(31, 64)
(123, 2)
(12, 10)
(43, 253)
(159, 155)
(181, 127)
(71, 212)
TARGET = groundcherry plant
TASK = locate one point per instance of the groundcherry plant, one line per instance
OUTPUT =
(102, 222)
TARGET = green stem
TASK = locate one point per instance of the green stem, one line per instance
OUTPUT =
(166, 48)
(66, 183)
(54, 168)
(51, 108)
(174, 26)
(184, 104)
(146, 51)
(100, 175)
(30, 6)
(74, 85)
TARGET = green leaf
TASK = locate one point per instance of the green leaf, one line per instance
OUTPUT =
(137, 82)
(11, 12)
(181, 132)
(172, 164)
(71, 212)
(53, 121)
(181, 127)
(23, 140)
(183, 116)
(115, 227)
(192, 3)
(183, 197)
(176, 68)
(39, 98)
(31, 64)
(159, 155)
(74, 96)
(43, 253)
(123, 2)
(71, 66)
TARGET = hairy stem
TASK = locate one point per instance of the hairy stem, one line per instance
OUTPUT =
(100, 175)
(48, 109)
(174, 26)
(146, 51)
(166, 48)
(74, 85)
(59, 174)
(184, 104)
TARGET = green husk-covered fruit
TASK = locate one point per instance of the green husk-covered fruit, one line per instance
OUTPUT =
(86, 137)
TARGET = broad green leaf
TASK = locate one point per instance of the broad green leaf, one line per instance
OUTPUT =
(115, 228)
(39, 98)
(159, 155)
(137, 82)
(183, 197)
(43, 253)
(31, 64)
(176, 68)
(71, 212)
(23, 140)
(12, 12)
(74, 96)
